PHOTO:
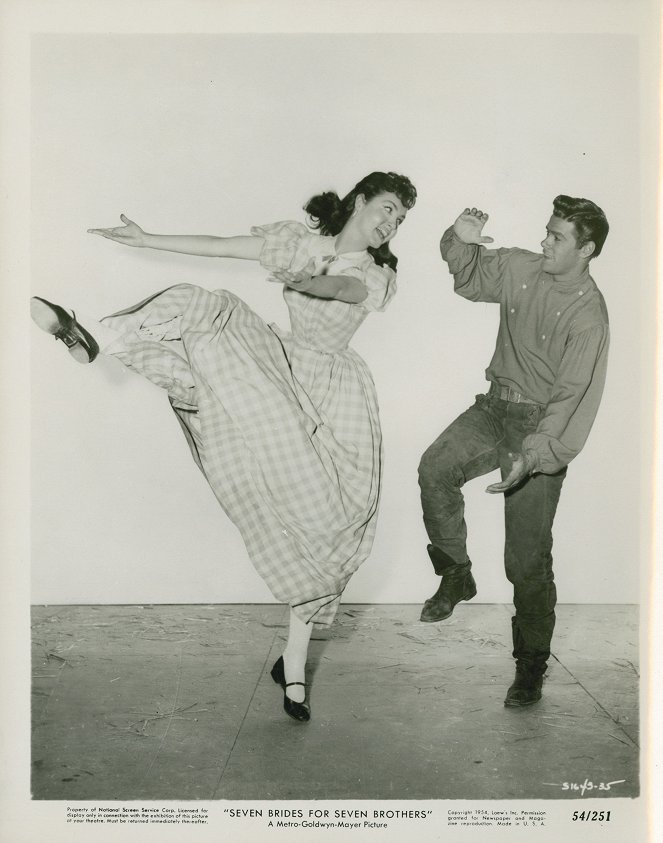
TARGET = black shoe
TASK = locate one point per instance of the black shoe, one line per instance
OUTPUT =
(56, 321)
(452, 590)
(526, 687)
(296, 710)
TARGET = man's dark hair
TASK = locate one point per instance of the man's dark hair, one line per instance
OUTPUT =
(589, 220)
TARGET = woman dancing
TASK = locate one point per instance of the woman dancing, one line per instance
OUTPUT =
(284, 426)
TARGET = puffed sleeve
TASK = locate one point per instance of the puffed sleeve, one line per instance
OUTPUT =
(381, 285)
(286, 245)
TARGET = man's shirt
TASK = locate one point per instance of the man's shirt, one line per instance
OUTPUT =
(552, 343)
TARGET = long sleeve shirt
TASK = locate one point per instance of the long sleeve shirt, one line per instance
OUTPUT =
(552, 343)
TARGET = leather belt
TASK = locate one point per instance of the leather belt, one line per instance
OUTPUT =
(505, 393)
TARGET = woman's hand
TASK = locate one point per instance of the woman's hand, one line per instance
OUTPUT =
(299, 279)
(129, 234)
(469, 225)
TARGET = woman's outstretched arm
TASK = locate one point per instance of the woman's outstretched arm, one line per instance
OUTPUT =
(247, 246)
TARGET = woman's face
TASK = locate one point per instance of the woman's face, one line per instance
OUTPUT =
(377, 220)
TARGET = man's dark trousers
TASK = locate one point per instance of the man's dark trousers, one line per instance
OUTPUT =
(477, 442)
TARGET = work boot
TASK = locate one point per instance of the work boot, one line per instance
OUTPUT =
(526, 687)
(457, 584)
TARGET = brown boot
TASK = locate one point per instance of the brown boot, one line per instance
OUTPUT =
(531, 664)
(457, 584)
(526, 687)
(451, 591)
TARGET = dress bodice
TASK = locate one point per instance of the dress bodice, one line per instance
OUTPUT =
(325, 325)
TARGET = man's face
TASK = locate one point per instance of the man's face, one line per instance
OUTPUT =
(561, 254)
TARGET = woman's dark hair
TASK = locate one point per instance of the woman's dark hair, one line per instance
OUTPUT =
(329, 213)
(589, 220)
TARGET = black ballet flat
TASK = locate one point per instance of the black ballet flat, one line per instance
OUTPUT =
(56, 321)
(296, 710)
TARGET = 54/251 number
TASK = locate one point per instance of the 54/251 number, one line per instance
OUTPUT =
(591, 816)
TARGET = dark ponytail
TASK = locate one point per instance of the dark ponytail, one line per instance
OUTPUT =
(327, 213)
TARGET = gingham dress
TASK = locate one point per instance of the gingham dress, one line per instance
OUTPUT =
(284, 426)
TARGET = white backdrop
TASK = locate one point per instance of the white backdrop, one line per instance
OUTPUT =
(215, 133)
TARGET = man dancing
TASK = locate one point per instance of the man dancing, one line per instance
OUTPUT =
(546, 380)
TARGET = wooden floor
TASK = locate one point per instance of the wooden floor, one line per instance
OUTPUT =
(176, 702)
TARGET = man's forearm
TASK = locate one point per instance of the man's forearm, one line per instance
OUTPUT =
(574, 403)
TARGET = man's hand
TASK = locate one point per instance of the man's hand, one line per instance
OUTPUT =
(469, 225)
(522, 467)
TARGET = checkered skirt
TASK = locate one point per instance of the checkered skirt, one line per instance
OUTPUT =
(284, 426)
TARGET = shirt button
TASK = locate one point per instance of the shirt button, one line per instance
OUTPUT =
(543, 337)
(581, 292)
(559, 313)
(513, 310)
(524, 286)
